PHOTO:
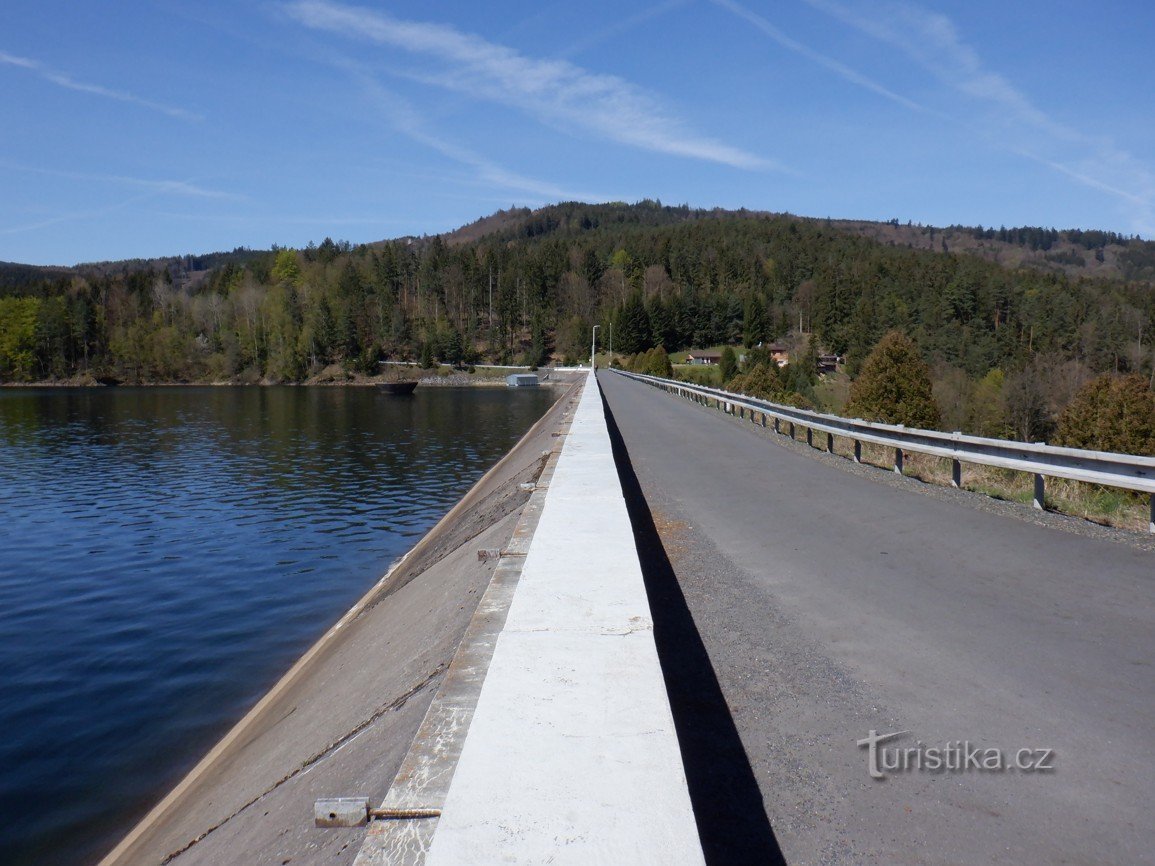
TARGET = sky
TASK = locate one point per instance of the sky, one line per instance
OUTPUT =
(142, 129)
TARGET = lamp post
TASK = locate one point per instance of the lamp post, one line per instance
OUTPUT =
(594, 347)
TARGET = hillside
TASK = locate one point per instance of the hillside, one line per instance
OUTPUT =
(184, 270)
(1046, 309)
(1073, 252)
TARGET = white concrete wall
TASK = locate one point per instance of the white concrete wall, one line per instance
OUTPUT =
(572, 756)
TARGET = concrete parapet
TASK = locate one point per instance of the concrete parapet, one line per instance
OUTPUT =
(571, 755)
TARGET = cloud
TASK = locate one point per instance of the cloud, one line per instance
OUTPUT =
(830, 63)
(265, 220)
(932, 40)
(76, 215)
(622, 26)
(555, 91)
(177, 187)
(63, 80)
(408, 122)
(157, 187)
(150, 189)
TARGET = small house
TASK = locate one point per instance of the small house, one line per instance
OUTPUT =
(707, 358)
(521, 380)
(828, 363)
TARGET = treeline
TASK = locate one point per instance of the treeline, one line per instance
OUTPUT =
(660, 276)
(1038, 238)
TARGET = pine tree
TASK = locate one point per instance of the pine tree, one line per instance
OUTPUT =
(632, 333)
(894, 386)
(754, 327)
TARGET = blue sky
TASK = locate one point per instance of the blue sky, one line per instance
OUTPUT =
(145, 129)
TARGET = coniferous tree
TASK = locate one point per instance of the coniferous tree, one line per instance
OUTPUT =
(754, 326)
(802, 371)
(894, 386)
(632, 334)
(760, 380)
(324, 330)
(728, 364)
(657, 363)
(1111, 413)
(425, 360)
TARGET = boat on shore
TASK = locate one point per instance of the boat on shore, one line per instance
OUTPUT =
(399, 388)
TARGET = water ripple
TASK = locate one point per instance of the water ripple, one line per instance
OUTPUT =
(159, 557)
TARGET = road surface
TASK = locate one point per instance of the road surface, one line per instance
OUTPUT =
(800, 606)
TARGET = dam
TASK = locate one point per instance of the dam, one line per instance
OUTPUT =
(659, 633)
(504, 667)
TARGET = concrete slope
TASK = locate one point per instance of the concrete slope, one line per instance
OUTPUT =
(831, 604)
(340, 722)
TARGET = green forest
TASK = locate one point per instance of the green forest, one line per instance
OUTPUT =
(1007, 349)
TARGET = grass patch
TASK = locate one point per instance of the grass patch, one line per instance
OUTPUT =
(699, 374)
(1107, 506)
(680, 357)
(833, 392)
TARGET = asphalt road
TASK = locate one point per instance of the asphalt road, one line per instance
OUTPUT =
(830, 603)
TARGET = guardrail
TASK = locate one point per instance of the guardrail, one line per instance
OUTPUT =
(1096, 467)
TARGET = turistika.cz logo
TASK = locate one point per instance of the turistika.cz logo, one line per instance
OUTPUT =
(957, 756)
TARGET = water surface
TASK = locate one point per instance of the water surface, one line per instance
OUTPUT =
(167, 553)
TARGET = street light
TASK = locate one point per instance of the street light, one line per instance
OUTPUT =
(594, 348)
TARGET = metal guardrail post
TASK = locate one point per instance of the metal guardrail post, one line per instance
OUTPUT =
(857, 450)
(810, 436)
(1040, 500)
(955, 472)
(898, 460)
(829, 443)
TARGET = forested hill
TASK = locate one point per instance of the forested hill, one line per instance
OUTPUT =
(183, 270)
(1075, 252)
(522, 285)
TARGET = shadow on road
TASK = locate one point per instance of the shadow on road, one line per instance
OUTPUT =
(731, 818)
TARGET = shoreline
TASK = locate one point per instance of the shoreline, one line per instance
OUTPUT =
(456, 380)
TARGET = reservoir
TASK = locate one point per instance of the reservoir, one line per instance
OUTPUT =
(167, 553)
